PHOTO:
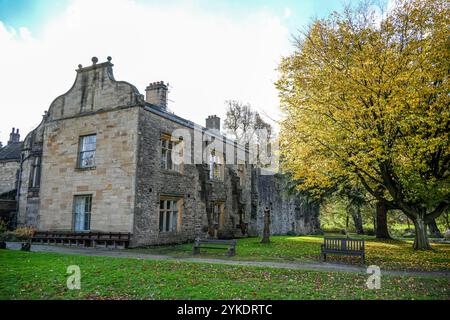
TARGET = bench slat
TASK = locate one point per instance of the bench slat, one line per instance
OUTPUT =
(343, 246)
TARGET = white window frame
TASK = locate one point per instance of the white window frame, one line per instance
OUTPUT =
(82, 210)
(88, 149)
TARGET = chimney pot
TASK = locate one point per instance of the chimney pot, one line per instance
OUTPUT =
(14, 136)
(213, 123)
(156, 93)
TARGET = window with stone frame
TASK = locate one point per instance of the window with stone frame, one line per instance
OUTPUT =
(35, 174)
(169, 159)
(88, 146)
(82, 212)
(170, 213)
(216, 167)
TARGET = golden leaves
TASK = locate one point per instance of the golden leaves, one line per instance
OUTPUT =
(356, 94)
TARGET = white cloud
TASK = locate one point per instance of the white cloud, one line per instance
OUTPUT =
(287, 13)
(206, 57)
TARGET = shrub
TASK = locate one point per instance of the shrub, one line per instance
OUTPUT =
(24, 233)
(3, 234)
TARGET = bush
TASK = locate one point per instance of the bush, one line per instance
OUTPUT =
(24, 233)
(3, 234)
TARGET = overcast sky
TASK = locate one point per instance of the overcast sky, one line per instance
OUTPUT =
(208, 51)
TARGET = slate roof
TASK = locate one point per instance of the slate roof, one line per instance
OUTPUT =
(171, 116)
(11, 152)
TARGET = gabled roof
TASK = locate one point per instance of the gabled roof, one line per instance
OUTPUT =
(11, 151)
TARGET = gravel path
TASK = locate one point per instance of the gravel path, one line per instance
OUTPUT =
(330, 267)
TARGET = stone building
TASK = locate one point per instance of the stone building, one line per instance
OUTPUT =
(9, 171)
(104, 158)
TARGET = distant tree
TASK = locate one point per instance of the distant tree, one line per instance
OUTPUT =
(244, 123)
(356, 199)
(367, 99)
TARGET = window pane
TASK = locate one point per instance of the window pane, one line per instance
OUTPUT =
(167, 226)
(174, 220)
(88, 143)
(163, 159)
(87, 159)
(161, 221)
(82, 212)
(87, 151)
(87, 221)
(169, 159)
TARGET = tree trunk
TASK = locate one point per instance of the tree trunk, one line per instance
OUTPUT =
(421, 241)
(266, 231)
(357, 219)
(382, 231)
(434, 230)
(447, 220)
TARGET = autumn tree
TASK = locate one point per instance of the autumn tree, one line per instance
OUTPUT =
(366, 99)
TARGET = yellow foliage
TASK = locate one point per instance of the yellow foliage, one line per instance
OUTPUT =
(368, 101)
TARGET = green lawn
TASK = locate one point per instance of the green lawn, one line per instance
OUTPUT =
(33, 275)
(392, 254)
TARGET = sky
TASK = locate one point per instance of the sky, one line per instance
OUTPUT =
(208, 51)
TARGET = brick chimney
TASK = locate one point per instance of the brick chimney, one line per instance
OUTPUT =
(156, 93)
(213, 123)
(14, 136)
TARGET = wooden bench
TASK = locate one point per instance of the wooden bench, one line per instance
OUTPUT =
(229, 245)
(343, 246)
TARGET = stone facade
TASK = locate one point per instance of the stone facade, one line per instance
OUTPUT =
(10, 162)
(290, 212)
(197, 191)
(130, 186)
(8, 170)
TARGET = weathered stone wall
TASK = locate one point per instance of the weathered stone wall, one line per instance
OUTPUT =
(29, 197)
(8, 175)
(193, 185)
(111, 183)
(288, 212)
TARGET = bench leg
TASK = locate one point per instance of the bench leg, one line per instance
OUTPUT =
(231, 252)
(196, 250)
(323, 257)
(363, 259)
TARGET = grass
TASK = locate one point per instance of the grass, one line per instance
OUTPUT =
(33, 275)
(391, 254)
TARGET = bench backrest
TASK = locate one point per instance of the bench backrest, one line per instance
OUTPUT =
(344, 244)
(216, 241)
